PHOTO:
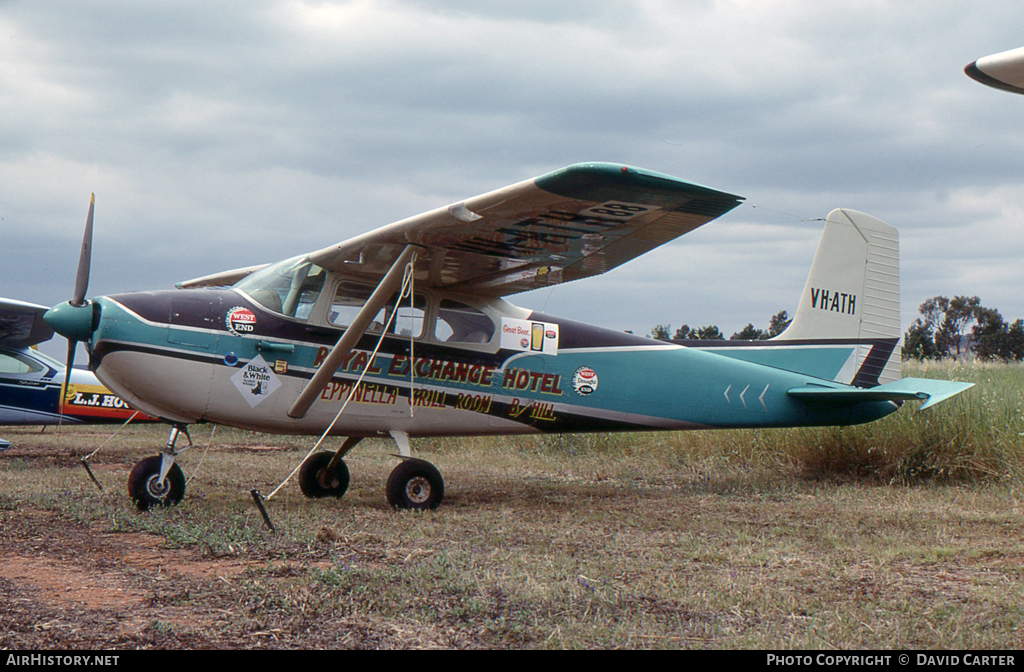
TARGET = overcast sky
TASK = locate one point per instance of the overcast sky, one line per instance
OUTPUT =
(224, 134)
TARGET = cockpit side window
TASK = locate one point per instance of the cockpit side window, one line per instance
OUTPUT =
(461, 323)
(289, 287)
(350, 297)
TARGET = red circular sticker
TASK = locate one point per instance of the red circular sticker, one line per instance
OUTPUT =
(240, 320)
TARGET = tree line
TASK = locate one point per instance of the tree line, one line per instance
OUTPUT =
(947, 328)
(954, 328)
(778, 324)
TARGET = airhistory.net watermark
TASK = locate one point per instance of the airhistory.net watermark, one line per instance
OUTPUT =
(58, 660)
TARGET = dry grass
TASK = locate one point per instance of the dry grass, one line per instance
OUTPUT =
(901, 534)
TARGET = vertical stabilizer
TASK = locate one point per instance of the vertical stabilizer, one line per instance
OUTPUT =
(853, 294)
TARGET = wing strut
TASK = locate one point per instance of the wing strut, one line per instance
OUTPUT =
(355, 331)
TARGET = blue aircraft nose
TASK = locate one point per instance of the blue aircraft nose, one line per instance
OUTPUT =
(74, 323)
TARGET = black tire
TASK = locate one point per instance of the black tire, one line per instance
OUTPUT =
(144, 487)
(415, 484)
(316, 481)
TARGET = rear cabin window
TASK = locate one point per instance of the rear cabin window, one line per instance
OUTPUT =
(461, 323)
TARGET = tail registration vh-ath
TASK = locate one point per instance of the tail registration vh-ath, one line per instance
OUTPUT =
(404, 332)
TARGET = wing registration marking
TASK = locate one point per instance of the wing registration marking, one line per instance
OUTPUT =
(617, 210)
(557, 232)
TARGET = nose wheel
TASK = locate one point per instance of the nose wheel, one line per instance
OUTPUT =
(158, 480)
(415, 484)
(147, 489)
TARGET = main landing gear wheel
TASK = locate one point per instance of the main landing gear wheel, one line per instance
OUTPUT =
(145, 487)
(415, 484)
(317, 480)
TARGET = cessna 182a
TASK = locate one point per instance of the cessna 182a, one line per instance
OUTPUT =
(31, 383)
(405, 328)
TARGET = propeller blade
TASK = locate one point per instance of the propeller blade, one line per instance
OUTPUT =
(84, 262)
(72, 345)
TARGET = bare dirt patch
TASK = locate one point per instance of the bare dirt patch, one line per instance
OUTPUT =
(101, 588)
(66, 586)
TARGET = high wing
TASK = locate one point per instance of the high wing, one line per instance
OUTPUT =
(21, 324)
(574, 223)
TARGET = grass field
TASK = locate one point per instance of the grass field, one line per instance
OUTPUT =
(905, 533)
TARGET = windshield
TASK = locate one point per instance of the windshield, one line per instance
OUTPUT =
(289, 287)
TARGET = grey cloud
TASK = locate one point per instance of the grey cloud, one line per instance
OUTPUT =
(222, 134)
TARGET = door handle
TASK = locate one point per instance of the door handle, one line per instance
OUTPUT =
(270, 346)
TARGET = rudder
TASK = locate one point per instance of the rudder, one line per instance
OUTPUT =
(853, 294)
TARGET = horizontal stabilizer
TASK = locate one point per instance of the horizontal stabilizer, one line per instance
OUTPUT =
(927, 390)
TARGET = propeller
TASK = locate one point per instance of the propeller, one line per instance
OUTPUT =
(74, 320)
(70, 362)
(85, 259)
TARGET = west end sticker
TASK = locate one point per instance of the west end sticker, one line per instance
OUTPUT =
(584, 381)
(240, 320)
(529, 336)
(256, 381)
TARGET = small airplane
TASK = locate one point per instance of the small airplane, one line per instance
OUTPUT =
(32, 385)
(404, 332)
(1004, 70)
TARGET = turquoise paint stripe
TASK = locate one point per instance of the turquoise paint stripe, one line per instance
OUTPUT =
(118, 324)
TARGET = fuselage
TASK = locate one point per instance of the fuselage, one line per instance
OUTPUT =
(220, 355)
